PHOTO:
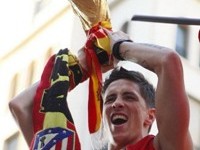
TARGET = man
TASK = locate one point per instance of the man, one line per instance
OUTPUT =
(128, 109)
(128, 106)
(126, 113)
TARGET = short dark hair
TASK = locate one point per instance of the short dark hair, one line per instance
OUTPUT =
(146, 89)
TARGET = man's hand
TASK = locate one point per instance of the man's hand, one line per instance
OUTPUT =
(83, 62)
(116, 37)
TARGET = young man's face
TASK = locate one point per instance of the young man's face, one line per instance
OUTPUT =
(125, 112)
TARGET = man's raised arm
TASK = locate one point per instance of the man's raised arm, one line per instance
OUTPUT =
(172, 107)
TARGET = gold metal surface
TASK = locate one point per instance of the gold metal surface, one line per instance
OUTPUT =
(91, 12)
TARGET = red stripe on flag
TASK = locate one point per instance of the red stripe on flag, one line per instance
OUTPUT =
(38, 117)
(58, 145)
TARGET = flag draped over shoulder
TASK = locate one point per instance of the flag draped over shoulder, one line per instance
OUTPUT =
(94, 16)
(52, 121)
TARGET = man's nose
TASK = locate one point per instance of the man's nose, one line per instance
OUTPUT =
(118, 103)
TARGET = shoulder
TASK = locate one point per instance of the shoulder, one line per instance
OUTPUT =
(184, 143)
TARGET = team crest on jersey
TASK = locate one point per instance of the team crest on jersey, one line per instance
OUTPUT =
(48, 138)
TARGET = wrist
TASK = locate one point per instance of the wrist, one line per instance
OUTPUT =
(116, 49)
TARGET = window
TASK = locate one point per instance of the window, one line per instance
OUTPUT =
(12, 142)
(181, 40)
(30, 73)
(49, 53)
(13, 86)
(197, 148)
(40, 5)
(125, 26)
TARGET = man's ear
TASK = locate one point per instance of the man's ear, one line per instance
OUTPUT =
(150, 117)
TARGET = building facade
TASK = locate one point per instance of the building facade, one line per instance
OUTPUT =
(34, 30)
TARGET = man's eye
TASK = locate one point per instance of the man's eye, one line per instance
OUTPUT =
(109, 100)
(130, 98)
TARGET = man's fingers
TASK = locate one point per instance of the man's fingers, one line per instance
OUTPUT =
(109, 32)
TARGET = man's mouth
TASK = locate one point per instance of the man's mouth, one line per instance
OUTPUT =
(118, 119)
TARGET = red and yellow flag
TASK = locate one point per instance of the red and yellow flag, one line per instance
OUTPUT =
(97, 38)
(95, 18)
